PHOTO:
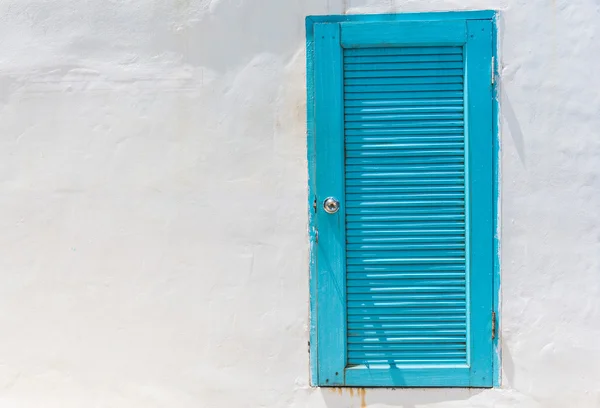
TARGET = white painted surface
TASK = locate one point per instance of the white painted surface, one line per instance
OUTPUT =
(153, 219)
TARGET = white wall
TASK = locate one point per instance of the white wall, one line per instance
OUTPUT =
(153, 246)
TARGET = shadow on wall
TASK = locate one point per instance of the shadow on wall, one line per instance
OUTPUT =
(508, 366)
(509, 115)
(401, 398)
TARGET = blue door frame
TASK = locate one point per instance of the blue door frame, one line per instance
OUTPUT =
(313, 145)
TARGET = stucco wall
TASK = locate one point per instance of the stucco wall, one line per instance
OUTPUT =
(153, 245)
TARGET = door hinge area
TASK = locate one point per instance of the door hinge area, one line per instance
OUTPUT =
(493, 325)
(493, 79)
(315, 205)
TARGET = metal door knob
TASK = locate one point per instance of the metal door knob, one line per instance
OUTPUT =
(331, 205)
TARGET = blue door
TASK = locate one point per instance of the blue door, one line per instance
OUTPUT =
(403, 214)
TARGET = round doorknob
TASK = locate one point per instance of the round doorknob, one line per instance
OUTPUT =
(331, 205)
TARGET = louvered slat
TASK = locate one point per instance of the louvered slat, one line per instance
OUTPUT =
(405, 205)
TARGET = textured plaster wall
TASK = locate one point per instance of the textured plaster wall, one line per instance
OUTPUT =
(153, 245)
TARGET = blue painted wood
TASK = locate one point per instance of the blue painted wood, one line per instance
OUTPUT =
(402, 51)
(391, 170)
(310, 147)
(414, 80)
(426, 122)
(414, 108)
(394, 206)
(392, 326)
(403, 103)
(437, 374)
(480, 221)
(412, 319)
(407, 160)
(401, 238)
(396, 146)
(423, 67)
(419, 57)
(413, 33)
(406, 297)
(404, 138)
(415, 70)
(404, 167)
(404, 268)
(402, 17)
(402, 152)
(443, 95)
(329, 135)
(375, 76)
(398, 131)
(401, 247)
(496, 186)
